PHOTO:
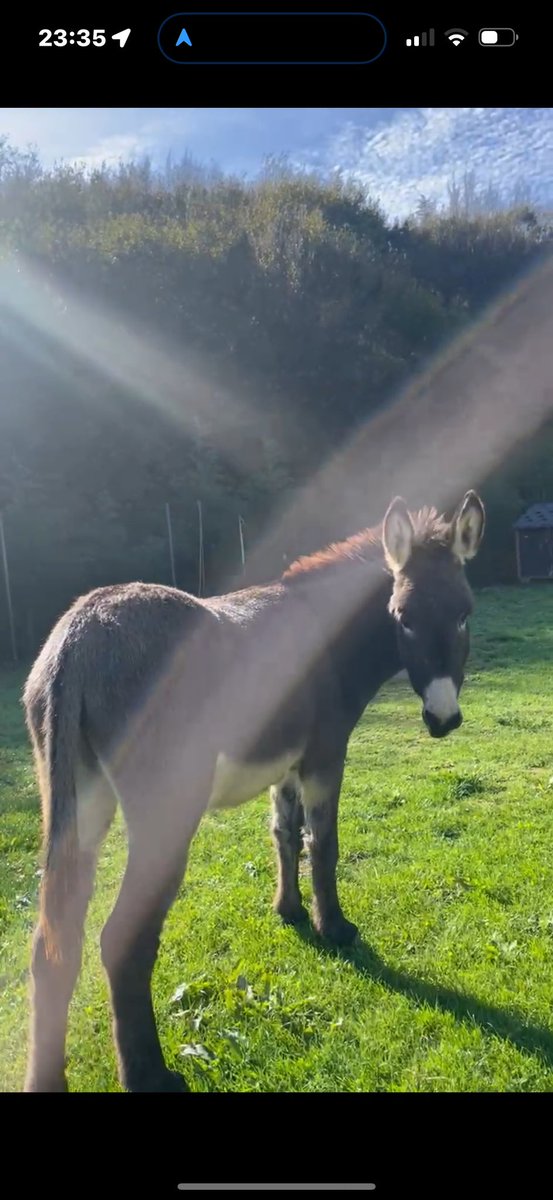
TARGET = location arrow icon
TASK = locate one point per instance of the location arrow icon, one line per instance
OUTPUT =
(183, 37)
(121, 37)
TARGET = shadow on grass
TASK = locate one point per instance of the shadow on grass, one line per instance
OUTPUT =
(530, 1039)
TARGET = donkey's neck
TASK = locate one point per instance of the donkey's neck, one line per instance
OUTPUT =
(351, 603)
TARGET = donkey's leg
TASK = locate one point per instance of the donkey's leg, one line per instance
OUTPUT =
(321, 793)
(287, 824)
(53, 980)
(130, 942)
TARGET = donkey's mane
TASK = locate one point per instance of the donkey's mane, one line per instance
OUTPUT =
(431, 529)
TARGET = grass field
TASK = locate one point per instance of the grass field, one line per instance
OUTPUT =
(446, 866)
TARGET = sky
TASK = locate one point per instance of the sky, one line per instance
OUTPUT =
(396, 153)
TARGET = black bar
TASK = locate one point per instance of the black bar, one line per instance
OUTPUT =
(141, 75)
(272, 38)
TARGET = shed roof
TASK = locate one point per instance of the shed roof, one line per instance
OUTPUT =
(537, 516)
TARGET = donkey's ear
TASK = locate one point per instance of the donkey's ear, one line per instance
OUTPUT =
(467, 527)
(397, 534)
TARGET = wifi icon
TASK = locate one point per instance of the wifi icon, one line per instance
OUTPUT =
(456, 36)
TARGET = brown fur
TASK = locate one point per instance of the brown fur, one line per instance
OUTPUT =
(430, 527)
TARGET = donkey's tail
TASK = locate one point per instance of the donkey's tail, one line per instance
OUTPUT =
(61, 843)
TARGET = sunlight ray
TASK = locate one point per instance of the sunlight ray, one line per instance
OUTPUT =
(147, 366)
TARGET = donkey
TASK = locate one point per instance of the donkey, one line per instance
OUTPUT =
(174, 705)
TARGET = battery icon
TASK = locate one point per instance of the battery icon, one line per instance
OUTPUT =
(497, 37)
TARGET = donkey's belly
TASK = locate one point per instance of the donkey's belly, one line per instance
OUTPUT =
(234, 783)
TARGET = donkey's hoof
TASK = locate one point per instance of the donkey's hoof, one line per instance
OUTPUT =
(291, 912)
(337, 930)
(168, 1081)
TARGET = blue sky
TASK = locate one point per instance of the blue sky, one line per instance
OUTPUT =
(397, 153)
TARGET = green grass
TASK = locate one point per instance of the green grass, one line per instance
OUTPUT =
(446, 866)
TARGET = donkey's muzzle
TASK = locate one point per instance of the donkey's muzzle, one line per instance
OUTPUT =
(438, 728)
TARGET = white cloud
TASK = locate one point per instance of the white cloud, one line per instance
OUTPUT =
(420, 150)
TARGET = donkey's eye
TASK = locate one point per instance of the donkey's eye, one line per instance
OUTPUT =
(462, 622)
(406, 626)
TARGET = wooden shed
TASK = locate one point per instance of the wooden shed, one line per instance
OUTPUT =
(534, 542)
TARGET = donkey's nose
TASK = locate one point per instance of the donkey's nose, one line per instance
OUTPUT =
(441, 707)
(438, 728)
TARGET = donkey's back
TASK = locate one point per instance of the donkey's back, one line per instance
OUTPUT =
(104, 653)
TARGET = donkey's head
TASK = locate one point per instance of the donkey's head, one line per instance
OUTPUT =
(431, 601)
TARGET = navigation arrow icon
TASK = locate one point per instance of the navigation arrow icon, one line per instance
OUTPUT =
(183, 37)
(121, 37)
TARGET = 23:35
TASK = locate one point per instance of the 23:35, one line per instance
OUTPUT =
(83, 37)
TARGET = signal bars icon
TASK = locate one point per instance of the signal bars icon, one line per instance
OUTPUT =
(423, 39)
